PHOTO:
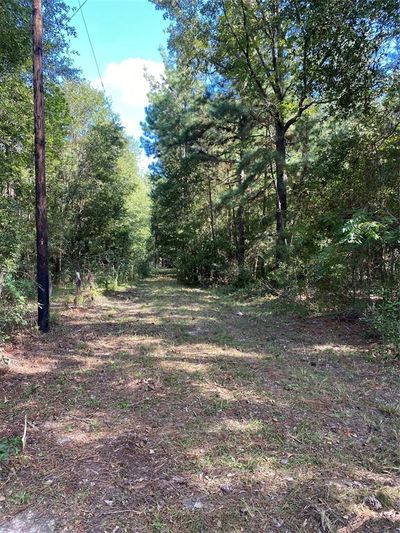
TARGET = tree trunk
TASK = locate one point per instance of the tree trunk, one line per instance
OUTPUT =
(240, 249)
(281, 192)
(240, 230)
(211, 208)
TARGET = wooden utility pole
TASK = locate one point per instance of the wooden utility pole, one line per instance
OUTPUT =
(40, 174)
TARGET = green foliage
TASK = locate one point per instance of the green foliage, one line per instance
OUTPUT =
(384, 317)
(98, 199)
(14, 303)
(10, 446)
(203, 264)
(101, 213)
(275, 145)
(277, 148)
(360, 230)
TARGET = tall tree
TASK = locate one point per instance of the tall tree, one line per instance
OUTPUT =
(288, 55)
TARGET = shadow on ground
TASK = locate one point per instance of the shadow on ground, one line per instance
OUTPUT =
(163, 408)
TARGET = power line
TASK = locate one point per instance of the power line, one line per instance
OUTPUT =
(90, 42)
(80, 7)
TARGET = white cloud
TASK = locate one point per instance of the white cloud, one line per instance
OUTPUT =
(126, 85)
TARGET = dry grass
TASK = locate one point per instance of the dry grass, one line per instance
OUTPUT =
(162, 408)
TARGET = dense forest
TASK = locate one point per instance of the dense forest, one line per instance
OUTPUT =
(274, 135)
(276, 138)
(98, 202)
(224, 345)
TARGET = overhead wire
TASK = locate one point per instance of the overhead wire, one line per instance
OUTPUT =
(77, 10)
(90, 42)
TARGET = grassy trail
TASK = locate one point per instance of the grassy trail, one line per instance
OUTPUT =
(163, 408)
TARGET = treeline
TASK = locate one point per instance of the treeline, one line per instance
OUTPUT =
(98, 202)
(276, 137)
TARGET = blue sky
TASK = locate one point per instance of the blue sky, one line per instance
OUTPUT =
(126, 35)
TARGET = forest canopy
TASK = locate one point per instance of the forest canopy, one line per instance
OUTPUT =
(222, 350)
(98, 201)
(276, 138)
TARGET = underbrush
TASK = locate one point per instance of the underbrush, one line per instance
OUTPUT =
(381, 317)
(16, 296)
(384, 317)
(380, 313)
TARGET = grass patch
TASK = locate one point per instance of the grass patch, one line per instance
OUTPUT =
(255, 415)
(31, 390)
(20, 498)
(389, 409)
(124, 404)
(10, 446)
(93, 401)
(215, 406)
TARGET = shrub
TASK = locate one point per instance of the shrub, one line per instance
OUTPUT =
(10, 446)
(385, 319)
(203, 264)
(14, 304)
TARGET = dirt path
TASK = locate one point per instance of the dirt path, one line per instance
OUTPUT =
(164, 408)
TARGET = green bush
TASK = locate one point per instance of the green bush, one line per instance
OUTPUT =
(243, 279)
(384, 317)
(14, 304)
(10, 446)
(203, 265)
